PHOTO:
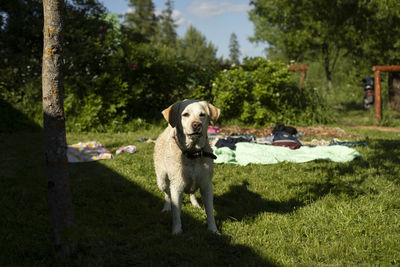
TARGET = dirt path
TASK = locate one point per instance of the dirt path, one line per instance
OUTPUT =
(379, 128)
(310, 131)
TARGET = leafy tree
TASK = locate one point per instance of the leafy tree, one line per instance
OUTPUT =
(111, 78)
(168, 34)
(301, 29)
(21, 46)
(20, 42)
(195, 48)
(143, 19)
(380, 23)
(234, 49)
(362, 30)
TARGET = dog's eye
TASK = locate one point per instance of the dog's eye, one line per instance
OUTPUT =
(186, 114)
(202, 114)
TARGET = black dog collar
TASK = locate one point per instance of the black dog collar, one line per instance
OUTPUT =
(194, 154)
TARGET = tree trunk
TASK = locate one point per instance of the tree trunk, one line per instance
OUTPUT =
(394, 90)
(325, 53)
(54, 131)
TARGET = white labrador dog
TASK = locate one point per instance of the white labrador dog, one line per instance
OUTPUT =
(183, 158)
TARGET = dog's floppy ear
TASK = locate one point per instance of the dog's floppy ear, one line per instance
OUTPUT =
(171, 114)
(214, 113)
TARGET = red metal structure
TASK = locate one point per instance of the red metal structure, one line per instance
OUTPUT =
(303, 70)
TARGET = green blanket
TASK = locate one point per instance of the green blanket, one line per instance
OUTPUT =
(246, 153)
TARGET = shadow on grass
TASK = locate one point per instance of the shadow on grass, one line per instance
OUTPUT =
(239, 202)
(331, 182)
(12, 120)
(348, 178)
(119, 223)
(386, 158)
(382, 158)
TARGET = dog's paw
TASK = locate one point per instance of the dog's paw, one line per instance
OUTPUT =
(194, 201)
(166, 208)
(198, 207)
(217, 232)
(214, 230)
(177, 231)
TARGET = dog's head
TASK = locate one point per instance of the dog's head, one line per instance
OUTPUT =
(191, 117)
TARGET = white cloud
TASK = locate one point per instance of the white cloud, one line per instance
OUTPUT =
(208, 9)
(130, 10)
(176, 15)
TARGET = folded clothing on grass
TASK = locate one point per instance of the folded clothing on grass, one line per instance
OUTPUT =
(247, 153)
(129, 149)
(229, 142)
(286, 139)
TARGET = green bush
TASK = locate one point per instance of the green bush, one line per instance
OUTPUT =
(26, 101)
(262, 93)
(231, 89)
(102, 109)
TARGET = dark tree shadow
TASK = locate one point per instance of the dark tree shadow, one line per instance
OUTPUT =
(119, 223)
(386, 151)
(239, 202)
(384, 160)
(12, 120)
(331, 182)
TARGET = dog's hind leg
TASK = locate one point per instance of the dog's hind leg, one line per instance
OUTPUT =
(163, 184)
(194, 201)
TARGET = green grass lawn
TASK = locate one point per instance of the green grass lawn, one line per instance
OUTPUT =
(316, 213)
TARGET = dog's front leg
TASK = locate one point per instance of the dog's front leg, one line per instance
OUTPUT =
(207, 196)
(167, 203)
(176, 201)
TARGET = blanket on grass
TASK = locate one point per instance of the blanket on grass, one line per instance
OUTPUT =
(247, 153)
(89, 151)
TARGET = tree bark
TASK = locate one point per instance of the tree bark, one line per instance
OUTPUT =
(54, 131)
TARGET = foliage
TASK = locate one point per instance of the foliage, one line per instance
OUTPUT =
(116, 78)
(168, 35)
(113, 77)
(12, 120)
(261, 92)
(143, 19)
(84, 58)
(196, 49)
(381, 20)
(327, 30)
(234, 49)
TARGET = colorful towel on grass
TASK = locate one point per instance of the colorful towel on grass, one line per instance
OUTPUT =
(246, 153)
(129, 149)
(89, 151)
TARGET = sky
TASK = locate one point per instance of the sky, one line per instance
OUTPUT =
(215, 19)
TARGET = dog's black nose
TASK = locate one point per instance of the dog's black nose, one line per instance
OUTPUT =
(196, 125)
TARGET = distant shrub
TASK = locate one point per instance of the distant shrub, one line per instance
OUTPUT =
(262, 93)
(25, 103)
